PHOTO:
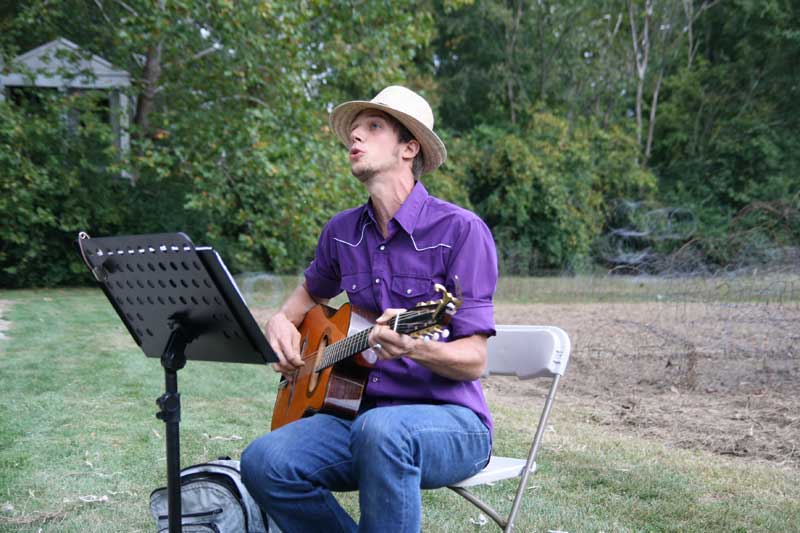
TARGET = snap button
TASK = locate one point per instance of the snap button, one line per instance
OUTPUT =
(408, 291)
(377, 280)
(353, 287)
(374, 380)
(383, 247)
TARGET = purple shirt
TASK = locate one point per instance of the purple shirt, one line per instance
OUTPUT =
(430, 241)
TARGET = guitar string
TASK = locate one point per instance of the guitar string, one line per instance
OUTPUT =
(340, 350)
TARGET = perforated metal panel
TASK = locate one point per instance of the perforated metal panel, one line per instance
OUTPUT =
(157, 282)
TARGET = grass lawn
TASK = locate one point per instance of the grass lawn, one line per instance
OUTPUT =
(81, 449)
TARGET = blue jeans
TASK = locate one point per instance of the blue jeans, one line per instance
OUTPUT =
(387, 453)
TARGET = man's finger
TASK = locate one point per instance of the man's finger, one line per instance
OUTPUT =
(388, 314)
(293, 359)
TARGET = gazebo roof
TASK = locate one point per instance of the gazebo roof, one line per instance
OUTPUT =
(51, 64)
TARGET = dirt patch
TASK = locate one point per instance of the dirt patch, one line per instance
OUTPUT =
(717, 377)
(708, 376)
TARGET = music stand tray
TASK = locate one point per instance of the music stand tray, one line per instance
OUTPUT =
(179, 302)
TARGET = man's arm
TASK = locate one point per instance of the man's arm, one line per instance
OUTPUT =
(282, 331)
(463, 359)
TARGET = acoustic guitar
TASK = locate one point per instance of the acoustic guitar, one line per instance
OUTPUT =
(338, 358)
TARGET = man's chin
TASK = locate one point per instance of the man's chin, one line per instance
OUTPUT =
(362, 174)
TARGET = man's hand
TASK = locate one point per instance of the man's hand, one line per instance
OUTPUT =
(462, 359)
(388, 344)
(285, 341)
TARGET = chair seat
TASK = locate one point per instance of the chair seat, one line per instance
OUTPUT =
(499, 468)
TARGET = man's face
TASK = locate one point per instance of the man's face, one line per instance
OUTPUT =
(374, 147)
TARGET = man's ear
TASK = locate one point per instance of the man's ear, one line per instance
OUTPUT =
(411, 149)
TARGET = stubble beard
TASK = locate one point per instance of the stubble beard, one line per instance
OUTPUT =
(363, 174)
(368, 171)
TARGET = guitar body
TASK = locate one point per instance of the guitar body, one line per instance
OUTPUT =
(336, 389)
(337, 357)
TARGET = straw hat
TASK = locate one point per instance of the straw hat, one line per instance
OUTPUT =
(412, 110)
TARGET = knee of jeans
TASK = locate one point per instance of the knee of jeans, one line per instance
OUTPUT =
(248, 465)
(266, 465)
(258, 471)
(374, 432)
(251, 466)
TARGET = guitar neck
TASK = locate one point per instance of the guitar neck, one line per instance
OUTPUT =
(341, 350)
(422, 318)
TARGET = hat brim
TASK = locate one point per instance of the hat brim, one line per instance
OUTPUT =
(431, 145)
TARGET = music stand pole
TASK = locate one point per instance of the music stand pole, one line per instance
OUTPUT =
(174, 359)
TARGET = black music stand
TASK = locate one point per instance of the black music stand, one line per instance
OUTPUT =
(178, 302)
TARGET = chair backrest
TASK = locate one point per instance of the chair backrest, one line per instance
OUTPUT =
(528, 351)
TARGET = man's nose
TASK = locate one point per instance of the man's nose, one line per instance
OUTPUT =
(356, 135)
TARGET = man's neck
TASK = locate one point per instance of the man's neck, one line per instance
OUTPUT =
(388, 193)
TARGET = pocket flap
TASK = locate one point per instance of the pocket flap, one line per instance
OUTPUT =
(356, 282)
(411, 286)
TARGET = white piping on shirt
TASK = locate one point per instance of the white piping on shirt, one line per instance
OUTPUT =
(427, 247)
(359, 240)
(417, 248)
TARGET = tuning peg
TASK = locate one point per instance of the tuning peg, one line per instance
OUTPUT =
(426, 338)
(445, 333)
(435, 336)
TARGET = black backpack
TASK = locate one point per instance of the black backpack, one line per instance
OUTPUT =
(213, 498)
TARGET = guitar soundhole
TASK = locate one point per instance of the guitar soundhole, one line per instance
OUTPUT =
(313, 381)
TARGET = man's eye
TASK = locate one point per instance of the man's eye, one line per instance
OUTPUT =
(374, 125)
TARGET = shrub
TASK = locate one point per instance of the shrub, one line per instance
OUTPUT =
(544, 190)
(57, 177)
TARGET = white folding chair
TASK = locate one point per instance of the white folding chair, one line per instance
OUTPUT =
(527, 352)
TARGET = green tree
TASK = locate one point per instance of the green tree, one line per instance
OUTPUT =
(728, 134)
(55, 180)
(232, 106)
(544, 190)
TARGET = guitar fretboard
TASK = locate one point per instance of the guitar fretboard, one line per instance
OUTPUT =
(339, 351)
(409, 322)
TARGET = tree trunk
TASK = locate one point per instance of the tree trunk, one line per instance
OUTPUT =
(146, 101)
(641, 57)
(651, 126)
(511, 43)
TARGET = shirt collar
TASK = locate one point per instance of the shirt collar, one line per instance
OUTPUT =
(408, 214)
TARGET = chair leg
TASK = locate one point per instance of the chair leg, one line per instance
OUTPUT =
(480, 504)
(537, 441)
(507, 525)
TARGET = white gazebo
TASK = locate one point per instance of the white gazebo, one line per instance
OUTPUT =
(62, 65)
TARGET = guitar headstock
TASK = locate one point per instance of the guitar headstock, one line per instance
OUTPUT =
(428, 319)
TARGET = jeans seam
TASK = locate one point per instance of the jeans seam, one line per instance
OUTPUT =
(332, 465)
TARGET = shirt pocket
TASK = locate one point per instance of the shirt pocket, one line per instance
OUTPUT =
(411, 289)
(356, 286)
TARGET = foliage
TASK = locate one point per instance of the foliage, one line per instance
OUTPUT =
(55, 182)
(544, 189)
(246, 125)
(239, 134)
(497, 58)
(231, 143)
(728, 140)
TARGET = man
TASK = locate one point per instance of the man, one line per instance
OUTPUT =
(423, 422)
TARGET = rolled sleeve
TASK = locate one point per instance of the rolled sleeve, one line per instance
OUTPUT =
(323, 274)
(474, 263)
